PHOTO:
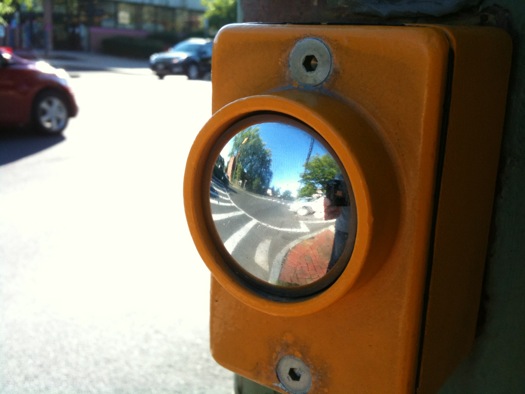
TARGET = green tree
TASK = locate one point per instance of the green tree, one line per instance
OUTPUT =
(219, 13)
(317, 172)
(287, 195)
(219, 170)
(253, 161)
(7, 7)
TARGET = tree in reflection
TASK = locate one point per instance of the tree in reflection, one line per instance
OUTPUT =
(219, 171)
(287, 195)
(253, 161)
(317, 172)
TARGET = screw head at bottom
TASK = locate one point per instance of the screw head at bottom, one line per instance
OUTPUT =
(294, 375)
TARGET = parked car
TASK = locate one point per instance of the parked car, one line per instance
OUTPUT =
(308, 205)
(34, 94)
(191, 57)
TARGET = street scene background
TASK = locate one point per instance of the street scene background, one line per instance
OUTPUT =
(101, 287)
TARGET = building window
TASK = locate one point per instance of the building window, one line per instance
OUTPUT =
(105, 15)
(128, 16)
(181, 21)
(166, 19)
(149, 21)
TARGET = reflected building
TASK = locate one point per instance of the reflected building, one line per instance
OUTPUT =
(231, 166)
(83, 24)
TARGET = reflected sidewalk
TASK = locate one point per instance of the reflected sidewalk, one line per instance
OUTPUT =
(307, 261)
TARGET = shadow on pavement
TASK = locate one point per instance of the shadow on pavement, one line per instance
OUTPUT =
(17, 144)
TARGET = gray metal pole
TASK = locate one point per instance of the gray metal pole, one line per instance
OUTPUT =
(48, 26)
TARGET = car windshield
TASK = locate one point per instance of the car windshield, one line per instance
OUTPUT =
(186, 47)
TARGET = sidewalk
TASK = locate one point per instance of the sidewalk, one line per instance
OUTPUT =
(89, 61)
(308, 260)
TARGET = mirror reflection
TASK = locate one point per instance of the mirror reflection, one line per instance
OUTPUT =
(281, 204)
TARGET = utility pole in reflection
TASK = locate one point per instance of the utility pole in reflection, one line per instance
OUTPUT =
(309, 153)
(48, 26)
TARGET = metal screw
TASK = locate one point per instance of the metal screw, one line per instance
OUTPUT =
(294, 375)
(310, 61)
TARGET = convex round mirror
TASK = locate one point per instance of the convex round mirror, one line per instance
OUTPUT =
(282, 206)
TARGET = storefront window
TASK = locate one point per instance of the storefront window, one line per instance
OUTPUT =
(166, 18)
(149, 22)
(194, 21)
(104, 15)
(127, 16)
(181, 21)
(73, 21)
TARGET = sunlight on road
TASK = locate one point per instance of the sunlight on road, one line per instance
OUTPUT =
(102, 289)
(118, 242)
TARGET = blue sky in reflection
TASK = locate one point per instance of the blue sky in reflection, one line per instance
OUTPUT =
(289, 146)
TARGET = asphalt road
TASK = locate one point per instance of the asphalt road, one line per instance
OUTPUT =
(259, 231)
(101, 288)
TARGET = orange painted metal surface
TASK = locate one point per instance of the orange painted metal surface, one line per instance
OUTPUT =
(477, 111)
(383, 110)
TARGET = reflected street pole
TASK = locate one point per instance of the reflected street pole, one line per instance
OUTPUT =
(237, 157)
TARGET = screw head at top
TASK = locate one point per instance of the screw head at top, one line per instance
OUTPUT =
(310, 62)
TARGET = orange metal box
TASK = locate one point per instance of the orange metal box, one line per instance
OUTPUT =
(414, 115)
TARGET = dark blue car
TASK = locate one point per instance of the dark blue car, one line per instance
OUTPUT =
(191, 57)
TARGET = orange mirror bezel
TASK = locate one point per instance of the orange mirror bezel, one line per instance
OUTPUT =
(323, 115)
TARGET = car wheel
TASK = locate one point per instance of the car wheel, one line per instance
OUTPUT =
(161, 76)
(303, 211)
(192, 72)
(50, 113)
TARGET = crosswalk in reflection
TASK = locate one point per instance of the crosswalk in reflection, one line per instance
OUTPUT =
(260, 232)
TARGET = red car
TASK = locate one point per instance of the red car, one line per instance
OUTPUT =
(34, 94)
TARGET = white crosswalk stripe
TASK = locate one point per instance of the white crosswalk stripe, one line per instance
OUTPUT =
(223, 216)
(261, 254)
(232, 242)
